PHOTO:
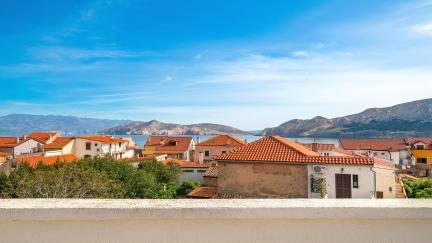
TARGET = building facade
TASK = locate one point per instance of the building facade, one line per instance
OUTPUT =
(214, 147)
(277, 167)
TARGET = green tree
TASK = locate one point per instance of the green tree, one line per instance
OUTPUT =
(187, 186)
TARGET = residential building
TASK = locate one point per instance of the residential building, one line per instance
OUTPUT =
(44, 137)
(421, 150)
(325, 149)
(277, 167)
(102, 146)
(176, 147)
(210, 149)
(394, 150)
(60, 146)
(19, 145)
(189, 170)
(33, 160)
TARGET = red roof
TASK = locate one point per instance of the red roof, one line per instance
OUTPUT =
(58, 143)
(11, 142)
(34, 160)
(104, 139)
(278, 149)
(203, 192)
(42, 136)
(212, 172)
(374, 144)
(427, 141)
(222, 140)
(185, 164)
(384, 163)
(169, 144)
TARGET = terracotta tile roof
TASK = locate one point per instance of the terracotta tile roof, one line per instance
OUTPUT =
(185, 164)
(34, 160)
(278, 149)
(203, 192)
(11, 142)
(374, 144)
(104, 139)
(384, 163)
(427, 141)
(222, 140)
(212, 172)
(58, 143)
(42, 136)
(169, 144)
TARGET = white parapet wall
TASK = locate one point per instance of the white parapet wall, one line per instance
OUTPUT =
(266, 220)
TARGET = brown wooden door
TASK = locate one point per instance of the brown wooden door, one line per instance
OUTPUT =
(343, 185)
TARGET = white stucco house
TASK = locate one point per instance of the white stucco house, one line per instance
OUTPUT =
(189, 170)
(102, 146)
(393, 150)
(60, 146)
(19, 145)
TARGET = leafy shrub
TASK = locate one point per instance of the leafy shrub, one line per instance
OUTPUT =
(421, 188)
(91, 178)
(187, 186)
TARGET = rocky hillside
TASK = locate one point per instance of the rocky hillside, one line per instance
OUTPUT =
(408, 119)
(160, 128)
(20, 124)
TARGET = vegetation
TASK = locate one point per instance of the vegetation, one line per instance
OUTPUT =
(421, 188)
(187, 186)
(91, 178)
(319, 185)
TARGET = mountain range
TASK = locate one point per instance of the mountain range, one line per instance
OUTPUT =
(403, 120)
(20, 124)
(159, 128)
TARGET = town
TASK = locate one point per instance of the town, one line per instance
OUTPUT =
(225, 166)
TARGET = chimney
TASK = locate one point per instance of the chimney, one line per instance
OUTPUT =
(201, 157)
(17, 140)
(315, 147)
(198, 140)
(245, 141)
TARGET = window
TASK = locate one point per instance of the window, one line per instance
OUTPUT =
(188, 171)
(95, 144)
(206, 153)
(422, 160)
(223, 152)
(420, 146)
(201, 171)
(88, 146)
(326, 154)
(355, 181)
(87, 156)
(120, 144)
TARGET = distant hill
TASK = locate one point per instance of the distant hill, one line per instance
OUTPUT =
(408, 119)
(159, 128)
(20, 124)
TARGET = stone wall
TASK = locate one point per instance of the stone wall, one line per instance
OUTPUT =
(268, 179)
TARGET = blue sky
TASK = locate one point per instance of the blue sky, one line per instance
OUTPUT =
(250, 64)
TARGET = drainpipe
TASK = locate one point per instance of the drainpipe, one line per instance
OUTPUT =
(374, 182)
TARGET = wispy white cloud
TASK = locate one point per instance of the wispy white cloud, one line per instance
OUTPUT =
(300, 54)
(425, 28)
